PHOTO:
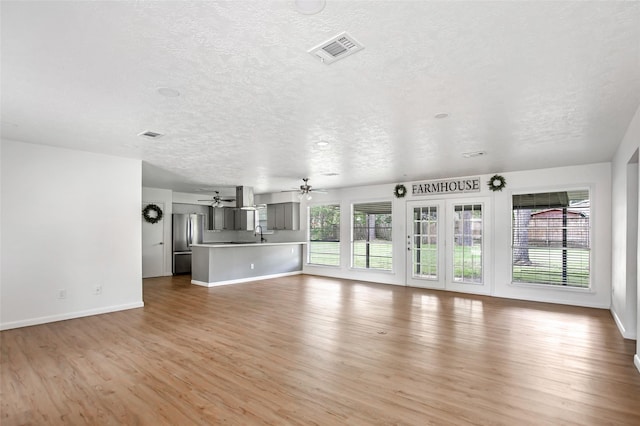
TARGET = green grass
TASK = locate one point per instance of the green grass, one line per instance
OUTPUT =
(380, 255)
(328, 253)
(324, 253)
(546, 268)
(467, 261)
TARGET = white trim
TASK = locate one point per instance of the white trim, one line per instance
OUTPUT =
(621, 328)
(536, 298)
(546, 286)
(244, 280)
(636, 361)
(70, 315)
(592, 235)
(319, 265)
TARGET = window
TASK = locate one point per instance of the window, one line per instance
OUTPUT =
(551, 238)
(467, 243)
(324, 235)
(371, 245)
(425, 242)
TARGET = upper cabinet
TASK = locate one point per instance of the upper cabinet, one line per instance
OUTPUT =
(221, 219)
(244, 220)
(283, 216)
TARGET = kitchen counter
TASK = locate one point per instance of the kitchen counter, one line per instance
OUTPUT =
(245, 244)
(216, 264)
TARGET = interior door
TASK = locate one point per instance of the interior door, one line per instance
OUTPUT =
(447, 245)
(153, 246)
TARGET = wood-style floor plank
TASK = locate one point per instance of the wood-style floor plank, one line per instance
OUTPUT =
(307, 350)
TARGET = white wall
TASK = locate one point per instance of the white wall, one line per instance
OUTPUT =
(624, 308)
(497, 227)
(70, 220)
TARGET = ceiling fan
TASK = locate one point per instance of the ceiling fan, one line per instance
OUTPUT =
(216, 200)
(305, 190)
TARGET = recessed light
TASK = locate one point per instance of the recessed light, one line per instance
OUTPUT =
(441, 115)
(473, 154)
(168, 92)
(309, 7)
(322, 143)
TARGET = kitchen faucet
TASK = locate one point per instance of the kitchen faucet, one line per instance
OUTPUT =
(255, 233)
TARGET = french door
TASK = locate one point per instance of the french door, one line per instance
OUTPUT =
(447, 244)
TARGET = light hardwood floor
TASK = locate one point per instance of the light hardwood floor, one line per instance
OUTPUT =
(313, 350)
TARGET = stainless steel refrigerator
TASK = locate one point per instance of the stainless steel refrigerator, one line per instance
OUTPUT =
(187, 229)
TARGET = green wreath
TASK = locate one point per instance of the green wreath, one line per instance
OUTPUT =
(157, 217)
(400, 191)
(497, 183)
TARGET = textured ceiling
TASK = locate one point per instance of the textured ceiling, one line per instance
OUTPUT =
(534, 84)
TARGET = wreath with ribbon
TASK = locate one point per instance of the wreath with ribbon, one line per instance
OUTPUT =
(497, 183)
(400, 191)
(152, 213)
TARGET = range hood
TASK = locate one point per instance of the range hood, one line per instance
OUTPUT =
(244, 198)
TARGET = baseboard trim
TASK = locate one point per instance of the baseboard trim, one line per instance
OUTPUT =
(244, 280)
(636, 361)
(69, 315)
(620, 325)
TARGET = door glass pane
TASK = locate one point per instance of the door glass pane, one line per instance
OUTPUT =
(425, 242)
(467, 243)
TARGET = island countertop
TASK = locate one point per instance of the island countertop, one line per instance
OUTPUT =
(245, 244)
(229, 263)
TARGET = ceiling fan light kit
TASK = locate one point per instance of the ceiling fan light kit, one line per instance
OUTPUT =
(217, 201)
(305, 190)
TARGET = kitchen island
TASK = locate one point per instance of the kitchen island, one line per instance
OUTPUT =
(216, 264)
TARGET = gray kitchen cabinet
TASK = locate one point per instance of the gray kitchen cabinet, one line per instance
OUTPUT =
(216, 219)
(283, 216)
(244, 220)
(221, 219)
(229, 219)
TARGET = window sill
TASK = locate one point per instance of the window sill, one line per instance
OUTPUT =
(318, 265)
(562, 288)
(379, 271)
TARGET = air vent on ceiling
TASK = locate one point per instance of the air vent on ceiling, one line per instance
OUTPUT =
(473, 154)
(338, 47)
(151, 135)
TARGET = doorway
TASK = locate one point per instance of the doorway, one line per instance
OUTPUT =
(632, 246)
(448, 245)
(153, 251)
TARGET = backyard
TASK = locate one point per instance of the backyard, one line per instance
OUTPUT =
(467, 261)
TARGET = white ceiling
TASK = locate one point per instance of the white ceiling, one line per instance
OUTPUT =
(534, 84)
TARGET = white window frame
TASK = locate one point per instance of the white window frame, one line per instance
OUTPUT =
(309, 242)
(590, 248)
(352, 236)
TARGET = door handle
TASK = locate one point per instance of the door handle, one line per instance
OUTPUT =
(161, 243)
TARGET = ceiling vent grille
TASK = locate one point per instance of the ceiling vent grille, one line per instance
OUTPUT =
(151, 135)
(336, 48)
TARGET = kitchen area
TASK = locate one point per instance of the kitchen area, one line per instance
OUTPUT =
(228, 238)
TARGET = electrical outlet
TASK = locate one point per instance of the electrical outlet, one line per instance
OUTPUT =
(97, 290)
(252, 266)
(62, 293)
